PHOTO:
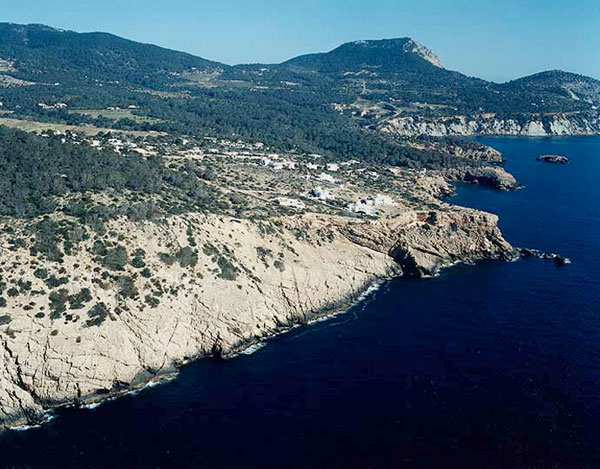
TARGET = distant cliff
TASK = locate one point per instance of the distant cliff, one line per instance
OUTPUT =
(533, 125)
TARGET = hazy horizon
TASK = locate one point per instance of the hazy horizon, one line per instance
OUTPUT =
(499, 41)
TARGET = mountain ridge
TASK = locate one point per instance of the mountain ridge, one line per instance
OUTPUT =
(40, 52)
(333, 102)
(378, 52)
(419, 50)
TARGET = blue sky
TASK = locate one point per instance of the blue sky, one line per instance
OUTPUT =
(492, 39)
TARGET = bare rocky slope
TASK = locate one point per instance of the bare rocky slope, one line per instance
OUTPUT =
(250, 281)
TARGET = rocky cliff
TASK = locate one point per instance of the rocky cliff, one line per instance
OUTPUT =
(250, 280)
(540, 125)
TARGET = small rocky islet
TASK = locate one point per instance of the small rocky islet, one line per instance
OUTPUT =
(556, 159)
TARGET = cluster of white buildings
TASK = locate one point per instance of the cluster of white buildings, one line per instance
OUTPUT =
(277, 165)
(118, 144)
(53, 106)
(367, 206)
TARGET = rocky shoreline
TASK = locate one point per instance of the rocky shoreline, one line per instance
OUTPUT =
(149, 379)
(43, 369)
(585, 123)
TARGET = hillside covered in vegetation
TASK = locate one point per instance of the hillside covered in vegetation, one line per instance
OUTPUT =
(332, 103)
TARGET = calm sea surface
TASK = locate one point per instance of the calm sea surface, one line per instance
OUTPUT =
(496, 365)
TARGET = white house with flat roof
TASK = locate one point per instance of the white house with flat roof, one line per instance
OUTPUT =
(326, 178)
(360, 207)
(322, 194)
(295, 203)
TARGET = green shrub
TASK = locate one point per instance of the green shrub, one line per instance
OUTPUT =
(152, 301)
(127, 288)
(78, 300)
(146, 273)
(53, 281)
(228, 270)
(187, 257)
(41, 273)
(167, 258)
(138, 263)
(98, 314)
(116, 258)
(58, 301)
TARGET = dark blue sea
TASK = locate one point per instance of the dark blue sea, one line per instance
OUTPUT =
(493, 365)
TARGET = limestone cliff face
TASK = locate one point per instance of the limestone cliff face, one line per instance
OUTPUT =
(279, 273)
(473, 151)
(584, 123)
(491, 176)
(423, 52)
(438, 239)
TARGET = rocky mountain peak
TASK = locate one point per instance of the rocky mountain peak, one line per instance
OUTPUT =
(425, 53)
(401, 54)
(405, 46)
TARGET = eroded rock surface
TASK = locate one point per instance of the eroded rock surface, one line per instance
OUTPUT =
(583, 123)
(250, 280)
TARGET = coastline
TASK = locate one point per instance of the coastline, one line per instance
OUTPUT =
(144, 346)
(91, 401)
(170, 373)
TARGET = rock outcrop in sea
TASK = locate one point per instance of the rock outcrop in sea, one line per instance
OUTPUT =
(553, 159)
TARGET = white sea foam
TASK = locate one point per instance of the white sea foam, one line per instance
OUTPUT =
(363, 296)
(372, 289)
(92, 406)
(133, 392)
(247, 351)
(254, 348)
(159, 382)
(24, 428)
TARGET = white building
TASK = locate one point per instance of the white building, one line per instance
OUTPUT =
(326, 178)
(333, 167)
(381, 200)
(287, 164)
(277, 165)
(295, 203)
(360, 207)
(322, 194)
